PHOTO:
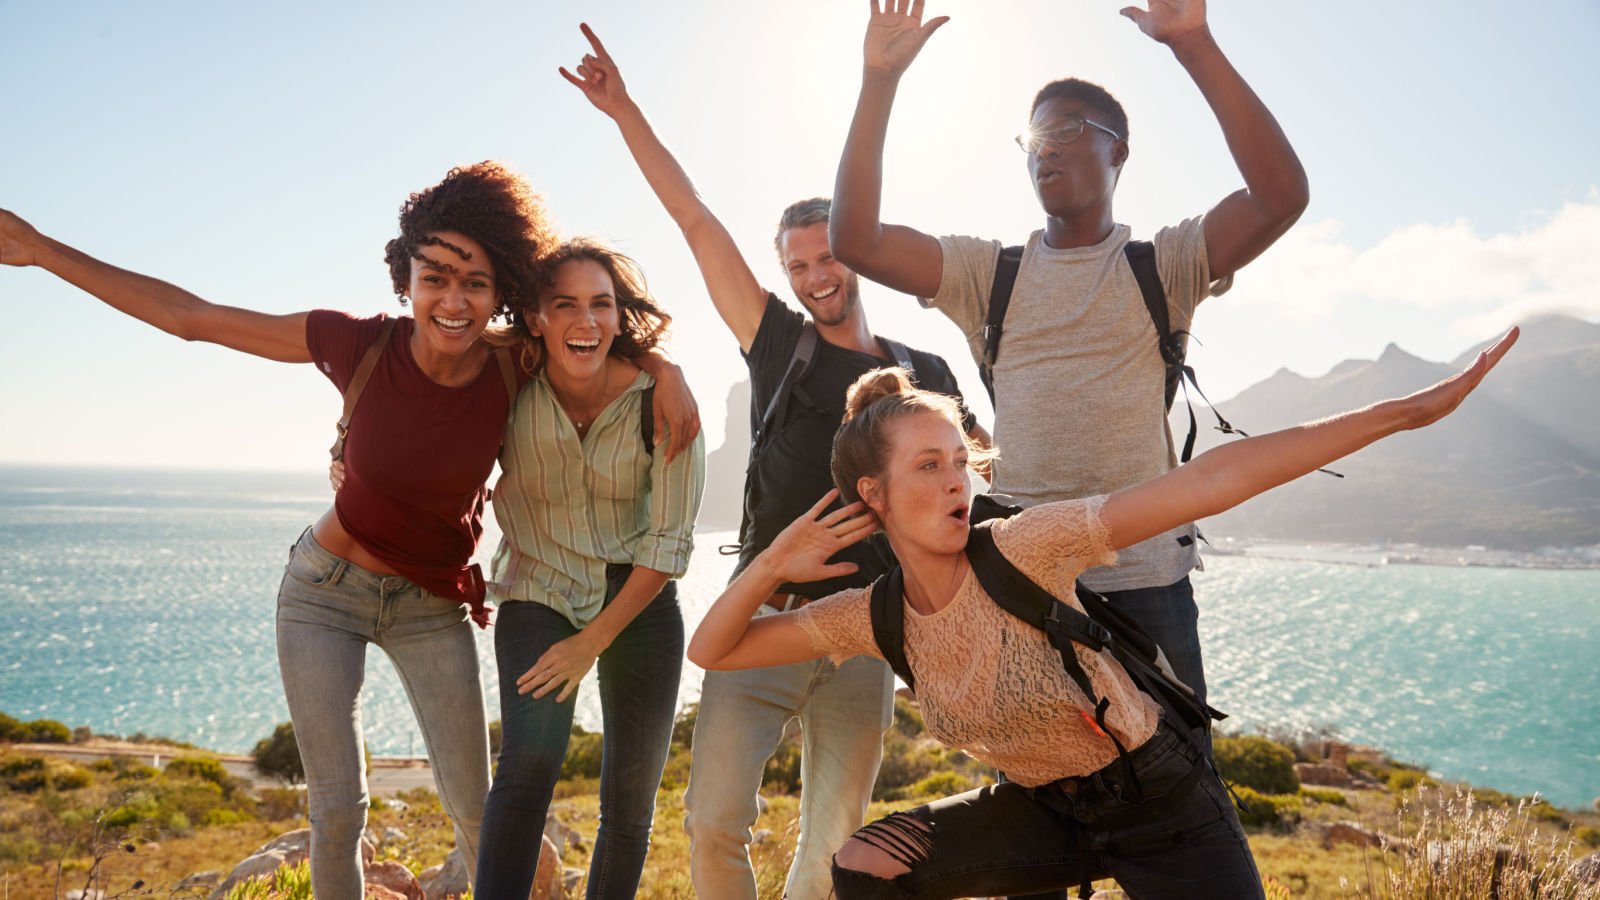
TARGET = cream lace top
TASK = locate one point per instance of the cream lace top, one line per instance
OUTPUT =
(991, 685)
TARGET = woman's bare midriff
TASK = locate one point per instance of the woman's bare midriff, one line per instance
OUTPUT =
(330, 533)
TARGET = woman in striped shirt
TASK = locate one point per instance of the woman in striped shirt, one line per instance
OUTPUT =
(596, 525)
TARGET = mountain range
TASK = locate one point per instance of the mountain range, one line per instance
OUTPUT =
(1517, 467)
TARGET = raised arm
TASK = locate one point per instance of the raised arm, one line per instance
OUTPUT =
(729, 638)
(738, 297)
(1249, 220)
(166, 306)
(1225, 476)
(898, 257)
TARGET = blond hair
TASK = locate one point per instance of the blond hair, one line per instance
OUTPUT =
(876, 399)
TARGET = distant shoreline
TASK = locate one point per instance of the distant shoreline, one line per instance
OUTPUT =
(1586, 558)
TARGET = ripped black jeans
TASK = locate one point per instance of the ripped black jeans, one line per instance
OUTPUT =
(1183, 840)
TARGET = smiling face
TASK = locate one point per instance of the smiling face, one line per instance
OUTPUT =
(830, 292)
(577, 318)
(1077, 178)
(923, 496)
(452, 291)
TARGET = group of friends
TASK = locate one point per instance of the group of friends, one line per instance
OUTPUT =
(544, 354)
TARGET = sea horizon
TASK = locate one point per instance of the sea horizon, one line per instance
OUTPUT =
(140, 599)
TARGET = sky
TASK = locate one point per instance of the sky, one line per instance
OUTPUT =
(257, 155)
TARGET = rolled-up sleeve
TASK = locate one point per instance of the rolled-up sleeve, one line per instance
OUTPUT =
(675, 490)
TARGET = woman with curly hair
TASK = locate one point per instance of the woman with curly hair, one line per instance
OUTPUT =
(596, 526)
(389, 564)
(1109, 788)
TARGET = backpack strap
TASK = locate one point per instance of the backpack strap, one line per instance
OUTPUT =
(502, 355)
(889, 623)
(358, 383)
(1005, 277)
(647, 419)
(901, 354)
(805, 351)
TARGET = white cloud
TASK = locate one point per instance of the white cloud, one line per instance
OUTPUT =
(1478, 283)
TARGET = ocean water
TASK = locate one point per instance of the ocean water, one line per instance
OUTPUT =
(143, 601)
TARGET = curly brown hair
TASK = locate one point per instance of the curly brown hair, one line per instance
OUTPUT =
(644, 322)
(494, 206)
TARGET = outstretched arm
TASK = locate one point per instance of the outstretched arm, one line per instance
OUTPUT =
(728, 638)
(738, 297)
(1225, 476)
(902, 258)
(1247, 221)
(166, 306)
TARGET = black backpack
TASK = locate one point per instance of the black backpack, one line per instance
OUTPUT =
(1101, 626)
(1174, 346)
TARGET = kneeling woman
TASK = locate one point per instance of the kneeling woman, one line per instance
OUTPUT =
(994, 686)
(596, 525)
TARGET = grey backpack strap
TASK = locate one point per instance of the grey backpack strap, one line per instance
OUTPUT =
(358, 382)
(901, 354)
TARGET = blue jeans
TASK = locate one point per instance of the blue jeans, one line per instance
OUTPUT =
(638, 699)
(329, 610)
(1182, 841)
(843, 711)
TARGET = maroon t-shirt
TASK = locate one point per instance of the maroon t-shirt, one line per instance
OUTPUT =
(416, 457)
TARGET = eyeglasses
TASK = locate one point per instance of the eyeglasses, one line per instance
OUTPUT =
(1068, 131)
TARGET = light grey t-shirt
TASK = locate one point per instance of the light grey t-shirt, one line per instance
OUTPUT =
(1079, 383)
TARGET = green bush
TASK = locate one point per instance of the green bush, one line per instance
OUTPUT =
(1255, 762)
(279, 756)
(496, 733)
(43, 731)
(941, 784)
(683, 726)
(583, 754)
(8, 728)
(782, 772)
(1325, 795)
(67, 777)
(1407, 779)
(1586, 835)
(1278, 811)
(278, 804)
(202, 768)
(907, 718)
(24, 774)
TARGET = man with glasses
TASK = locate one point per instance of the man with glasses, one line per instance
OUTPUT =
(1079, 381)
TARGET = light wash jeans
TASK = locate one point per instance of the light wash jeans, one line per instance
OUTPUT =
(328, 612)
(843, 712)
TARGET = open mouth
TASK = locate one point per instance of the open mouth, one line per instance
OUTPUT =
(451, 326)
(583, 348)
(825, 296)
(1047, 175)
(960, 513)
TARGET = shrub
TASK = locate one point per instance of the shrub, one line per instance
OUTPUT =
(583, 754)
(43, 731)
(1255, 762)
(907, 718)
(1407, 779)
(683, 726)
(1586, 835)
(8, 727)
(1279, 811)
(82, 734)
(1325, 795)
(279, 756)
(202, 768)
(782, 772)
(278, 804)
(941, 784)
(496, 734)
(24, 774)
(67, 777)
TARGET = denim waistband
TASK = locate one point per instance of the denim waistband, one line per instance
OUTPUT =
(343, 570)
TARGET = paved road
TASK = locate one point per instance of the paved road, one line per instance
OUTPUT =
(389, 775)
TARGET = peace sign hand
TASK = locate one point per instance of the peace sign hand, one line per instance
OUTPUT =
(598, 77)
(896, 33)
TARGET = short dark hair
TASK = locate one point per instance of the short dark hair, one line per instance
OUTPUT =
(801, 214)
(1093, 95)
(494, 206)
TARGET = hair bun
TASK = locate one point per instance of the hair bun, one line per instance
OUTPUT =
(874, 386)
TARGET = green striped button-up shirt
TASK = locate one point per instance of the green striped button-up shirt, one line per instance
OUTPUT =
(567, 507)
